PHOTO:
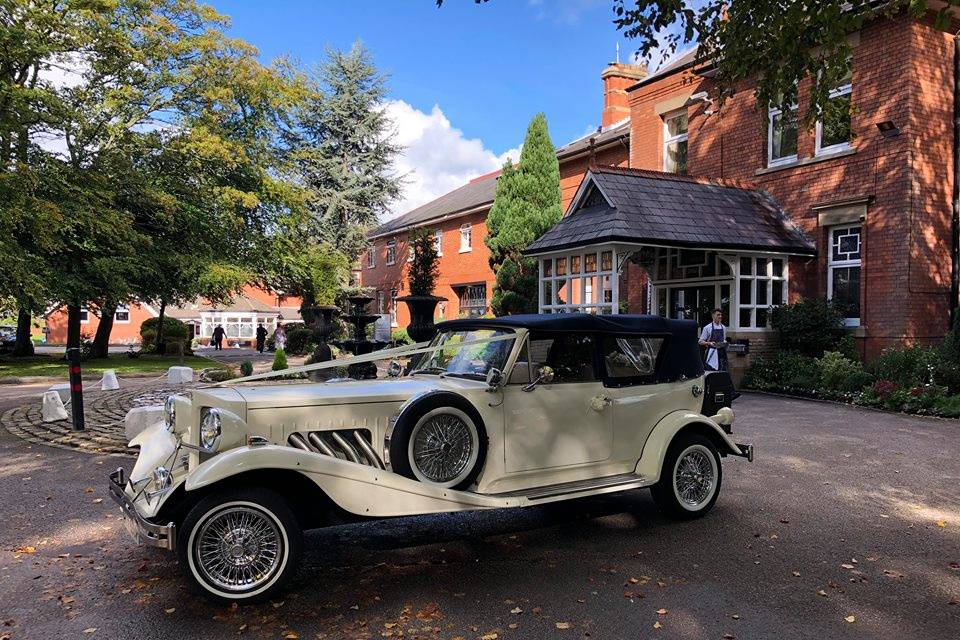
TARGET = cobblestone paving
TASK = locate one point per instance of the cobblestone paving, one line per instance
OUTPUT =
(104, 412)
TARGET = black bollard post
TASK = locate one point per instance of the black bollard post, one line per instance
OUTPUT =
(76, 389)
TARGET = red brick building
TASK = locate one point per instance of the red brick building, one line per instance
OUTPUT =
(873, 193)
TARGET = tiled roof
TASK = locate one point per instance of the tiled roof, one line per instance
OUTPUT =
(240, 304)
(680, 211)
(480, 191)
(475, 193)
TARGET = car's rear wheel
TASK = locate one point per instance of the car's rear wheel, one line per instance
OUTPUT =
(440, 445)
(242, 545)
(690, 478)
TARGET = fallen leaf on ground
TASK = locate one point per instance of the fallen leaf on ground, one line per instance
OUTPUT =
(941, 523)
(954, 565)
(26, 549)
(728, 636)
(821, 593)
(516, 610)
(90, 630)
(170, 610)
(657, 625)
(563, 625)
(847, 566)
(851, 619)
(662, 612)
(796, 574)
(735, 616)
(489, 636)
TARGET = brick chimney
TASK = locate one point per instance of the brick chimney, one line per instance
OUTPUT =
(616, 78)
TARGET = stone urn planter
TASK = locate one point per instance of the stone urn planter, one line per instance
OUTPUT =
(421, 327)
(320, 318)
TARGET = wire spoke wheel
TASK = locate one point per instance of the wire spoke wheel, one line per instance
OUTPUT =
(695, 477)
(443, 446)
(238, 548)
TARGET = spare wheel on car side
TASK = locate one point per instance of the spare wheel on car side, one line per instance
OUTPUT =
(440, 441)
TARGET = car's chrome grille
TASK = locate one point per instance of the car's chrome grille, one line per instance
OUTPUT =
(352, 445)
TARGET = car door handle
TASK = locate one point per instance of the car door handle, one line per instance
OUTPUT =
(599, 403)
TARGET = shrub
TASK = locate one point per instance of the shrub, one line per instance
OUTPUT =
(858, 382)
(246, 368)
(836, 370)
(809, 326)
(948, 406)
(783, 371)
(907, 367)
(173, 331)
(400, 337)
(280, 360)
(300, 339)
(218, 375)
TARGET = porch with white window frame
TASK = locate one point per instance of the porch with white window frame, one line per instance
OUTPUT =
(746, 284)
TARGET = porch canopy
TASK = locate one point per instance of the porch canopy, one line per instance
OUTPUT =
(703, 244)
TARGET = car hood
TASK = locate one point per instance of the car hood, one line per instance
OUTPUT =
(347, 392)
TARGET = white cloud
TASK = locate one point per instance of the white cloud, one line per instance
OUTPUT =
(436, 156)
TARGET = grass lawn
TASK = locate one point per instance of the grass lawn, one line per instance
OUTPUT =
(56, 365)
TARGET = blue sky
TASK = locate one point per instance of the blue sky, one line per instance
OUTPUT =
(465, 79)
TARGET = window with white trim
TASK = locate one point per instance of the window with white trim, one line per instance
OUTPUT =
(466, 237)
(843, 272)
(371, 257)
(380, 303)
(675, 142)
(472, 299)
(411, 251)
(84, 315)
(781, 135)
(393, 307)
(438, 242)
(580, 282)
(762, 286)
(122, 314)
(391, 252)
(834, 129)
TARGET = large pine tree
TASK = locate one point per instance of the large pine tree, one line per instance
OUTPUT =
(527, 204)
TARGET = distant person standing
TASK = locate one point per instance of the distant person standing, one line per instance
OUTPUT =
(280, 337)
(261, 337)
(714, 338)
(218, 334)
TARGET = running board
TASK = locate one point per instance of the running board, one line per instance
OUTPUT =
(624, 480)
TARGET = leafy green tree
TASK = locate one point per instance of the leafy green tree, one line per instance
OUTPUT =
(527, 204)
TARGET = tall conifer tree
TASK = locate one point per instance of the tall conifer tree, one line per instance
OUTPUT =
(527, 204)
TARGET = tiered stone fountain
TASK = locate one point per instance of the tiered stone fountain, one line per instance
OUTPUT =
(358, 344)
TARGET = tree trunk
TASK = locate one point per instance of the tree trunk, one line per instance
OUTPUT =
(158, 343)
(23, 345)
(101, 341)
(73, 326)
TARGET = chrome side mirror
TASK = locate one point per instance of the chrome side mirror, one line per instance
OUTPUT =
(544, 376)
(394, 370)
(494, 379)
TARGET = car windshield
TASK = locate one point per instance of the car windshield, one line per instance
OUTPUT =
(472, 360)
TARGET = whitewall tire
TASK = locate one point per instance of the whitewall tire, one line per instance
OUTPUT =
(242, 545)
(690, 478)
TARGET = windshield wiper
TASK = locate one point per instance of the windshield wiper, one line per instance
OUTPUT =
(428, 370)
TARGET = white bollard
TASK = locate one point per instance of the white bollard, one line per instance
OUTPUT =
(62, 390)
(52, 408)
(109, 381)
(179, 375)
(139, 418)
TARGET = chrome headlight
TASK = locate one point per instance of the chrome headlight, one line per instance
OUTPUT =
(162, 478)
(210, 429)
(170, 413)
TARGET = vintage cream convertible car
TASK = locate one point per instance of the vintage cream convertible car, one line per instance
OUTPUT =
(501, 412)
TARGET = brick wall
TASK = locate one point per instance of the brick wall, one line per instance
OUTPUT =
(902, 71)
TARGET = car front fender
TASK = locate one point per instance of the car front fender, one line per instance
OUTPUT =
(655, 448)
(356, 488)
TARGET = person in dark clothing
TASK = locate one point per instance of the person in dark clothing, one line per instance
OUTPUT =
(261, 337)
(218, 334)
(714, 339)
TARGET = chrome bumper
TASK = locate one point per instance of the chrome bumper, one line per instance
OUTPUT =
(146, 532)
(746, 451)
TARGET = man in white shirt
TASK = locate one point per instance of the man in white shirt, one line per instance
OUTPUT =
(714, 338)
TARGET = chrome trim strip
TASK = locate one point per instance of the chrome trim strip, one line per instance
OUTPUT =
(368, 450)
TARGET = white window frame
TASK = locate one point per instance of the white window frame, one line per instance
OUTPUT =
(668, 139)
(391, 252)
(393, 308)
(466, 237)
(580, 284)
(411, 252)
(842, 90)
(438, 242)
(381, 302)
(371, 257)
(773, 112)
(84, 315)
(121, 308)
(843, 264)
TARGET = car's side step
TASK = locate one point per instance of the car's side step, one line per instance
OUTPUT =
(626, 480)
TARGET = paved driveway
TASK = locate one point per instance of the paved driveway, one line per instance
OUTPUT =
(861, 506)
